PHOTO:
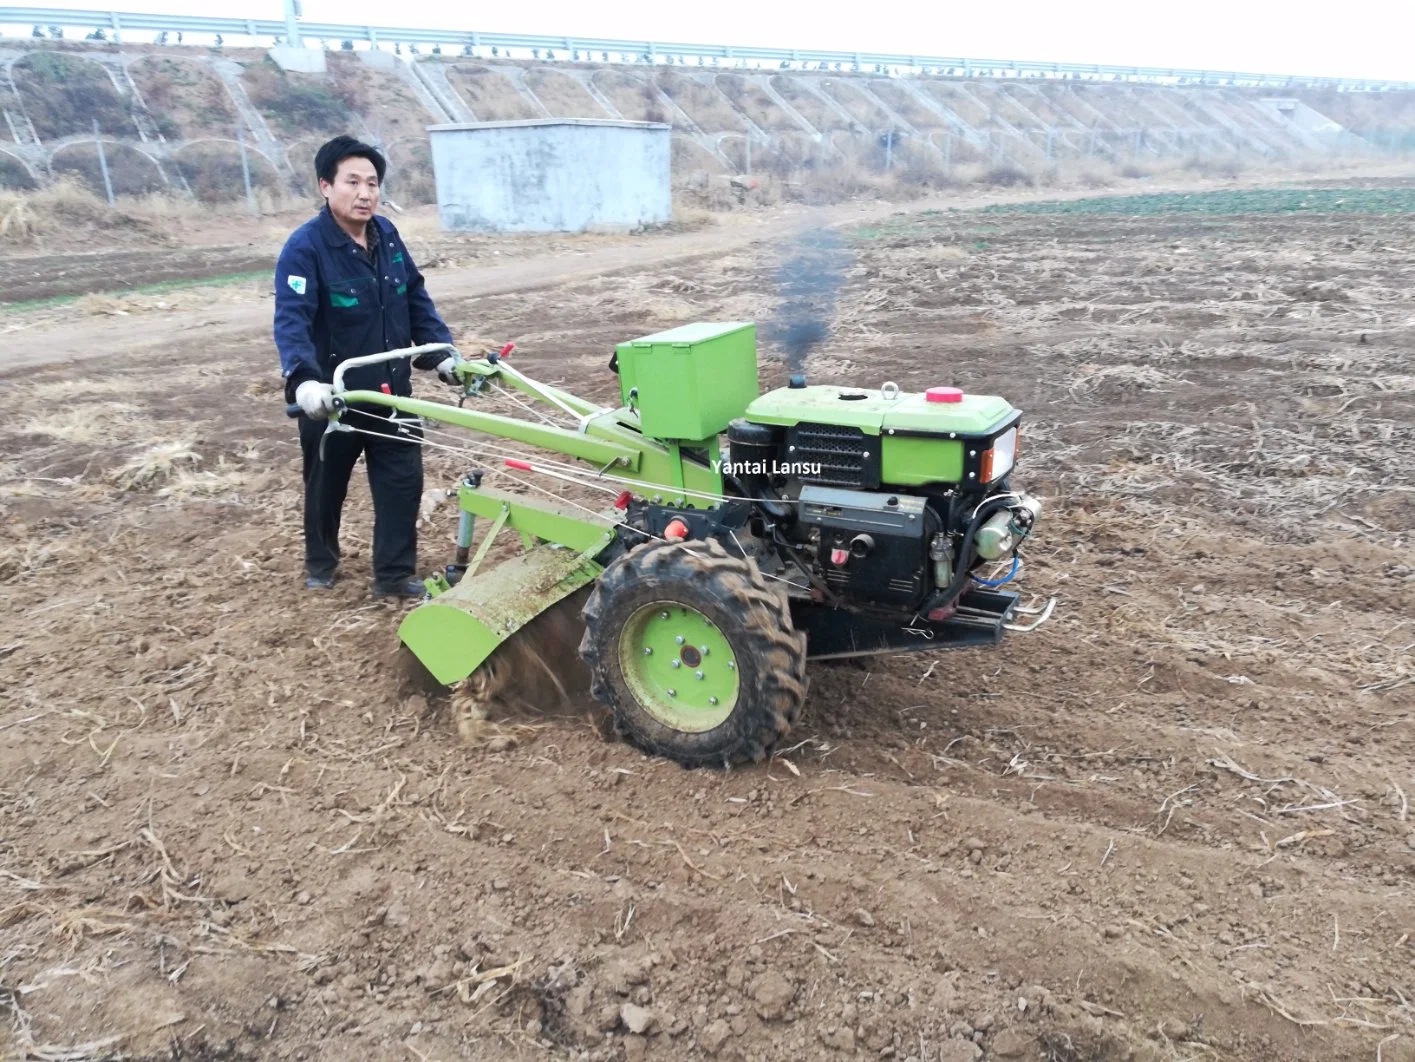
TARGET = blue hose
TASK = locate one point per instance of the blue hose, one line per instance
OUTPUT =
(1016, 563)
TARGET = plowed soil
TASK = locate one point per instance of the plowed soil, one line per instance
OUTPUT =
(1172, 823)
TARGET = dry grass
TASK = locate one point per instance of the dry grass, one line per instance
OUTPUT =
(808, 104)
(26, 216)
(701, 101)
(903, 103)
(52, 391)
(863, 109)
(1007, 175)
(89, 424)
(68, 207)
(562, 95)
(24, 557)
(635, 98)
(795, 170)
(491, 96)
(99, 304)
(1089, 379)
(756, 104)
(185, 97)
(156, 464)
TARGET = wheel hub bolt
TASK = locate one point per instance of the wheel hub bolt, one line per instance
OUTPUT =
(731, 666)
(648, 650)
(712, 700)
(679, 639)
(672, 692)
(663, 615)
(703, 649)
(699, 674)
(675, 663)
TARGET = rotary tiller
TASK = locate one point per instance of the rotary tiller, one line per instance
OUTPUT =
(748, 533)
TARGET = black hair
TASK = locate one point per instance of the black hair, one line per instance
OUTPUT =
(327, 158)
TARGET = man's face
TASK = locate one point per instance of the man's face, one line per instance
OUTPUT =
(353, 195)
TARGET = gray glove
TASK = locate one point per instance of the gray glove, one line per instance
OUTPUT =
(444, 370)
(315, 399)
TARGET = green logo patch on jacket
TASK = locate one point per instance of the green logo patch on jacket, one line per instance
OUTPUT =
(339, 299)
(402, 289)
(398, 257)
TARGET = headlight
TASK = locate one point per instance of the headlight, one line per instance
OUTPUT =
(999, 458)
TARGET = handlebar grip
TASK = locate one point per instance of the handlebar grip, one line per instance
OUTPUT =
(292, 410)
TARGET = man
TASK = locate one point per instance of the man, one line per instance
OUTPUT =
(345, 286)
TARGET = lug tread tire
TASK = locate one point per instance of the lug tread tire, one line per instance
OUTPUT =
(771, 654)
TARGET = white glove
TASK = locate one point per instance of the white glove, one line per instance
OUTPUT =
(315, 399)
(445, 367)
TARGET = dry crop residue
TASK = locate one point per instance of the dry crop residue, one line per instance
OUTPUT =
(1172, 824)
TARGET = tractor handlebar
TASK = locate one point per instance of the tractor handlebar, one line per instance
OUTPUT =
(387, 355)
(293, 409)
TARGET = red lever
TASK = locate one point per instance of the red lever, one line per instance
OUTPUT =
(622, 502)
(505, 352)
(523, 466)
(676, 531)
(385, 389)
(838, 557)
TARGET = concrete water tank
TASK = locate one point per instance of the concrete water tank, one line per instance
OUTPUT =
(552, 174)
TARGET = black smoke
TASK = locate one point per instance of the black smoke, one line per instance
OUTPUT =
(808, 283)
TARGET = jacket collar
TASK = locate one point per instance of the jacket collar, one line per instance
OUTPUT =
(332, 233)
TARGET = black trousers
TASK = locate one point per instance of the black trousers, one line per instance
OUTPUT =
(395, 477)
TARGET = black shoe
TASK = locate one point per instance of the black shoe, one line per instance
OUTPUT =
(409, 590)
(320, 582)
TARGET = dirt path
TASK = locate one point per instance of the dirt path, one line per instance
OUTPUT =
(59, 337)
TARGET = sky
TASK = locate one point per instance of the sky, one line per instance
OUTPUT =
(1355, 38)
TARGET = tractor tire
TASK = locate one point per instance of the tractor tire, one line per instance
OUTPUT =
(652, 624)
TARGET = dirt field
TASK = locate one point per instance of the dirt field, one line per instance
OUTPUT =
(1173, 824)
(133, 251)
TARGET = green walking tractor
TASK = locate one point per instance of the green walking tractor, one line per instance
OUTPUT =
(747, 533)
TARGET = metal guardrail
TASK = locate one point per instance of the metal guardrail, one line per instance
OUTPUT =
(661, 51)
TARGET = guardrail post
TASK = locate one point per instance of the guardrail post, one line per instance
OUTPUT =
(103, 164)
(292, 29)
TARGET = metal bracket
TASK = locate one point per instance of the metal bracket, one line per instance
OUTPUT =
(1043, 614)
(402, 423)
(475, 389)
(437, 584)
(330, 427)
(492, 532)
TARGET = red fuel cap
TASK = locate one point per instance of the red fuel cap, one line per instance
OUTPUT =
(943, 394)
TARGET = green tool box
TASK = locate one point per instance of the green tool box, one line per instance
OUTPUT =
(689, 382)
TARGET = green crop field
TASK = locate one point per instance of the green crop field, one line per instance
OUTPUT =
(1254, 201)
(979, 226)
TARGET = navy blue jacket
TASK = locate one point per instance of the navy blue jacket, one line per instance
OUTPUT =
(332, 303)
